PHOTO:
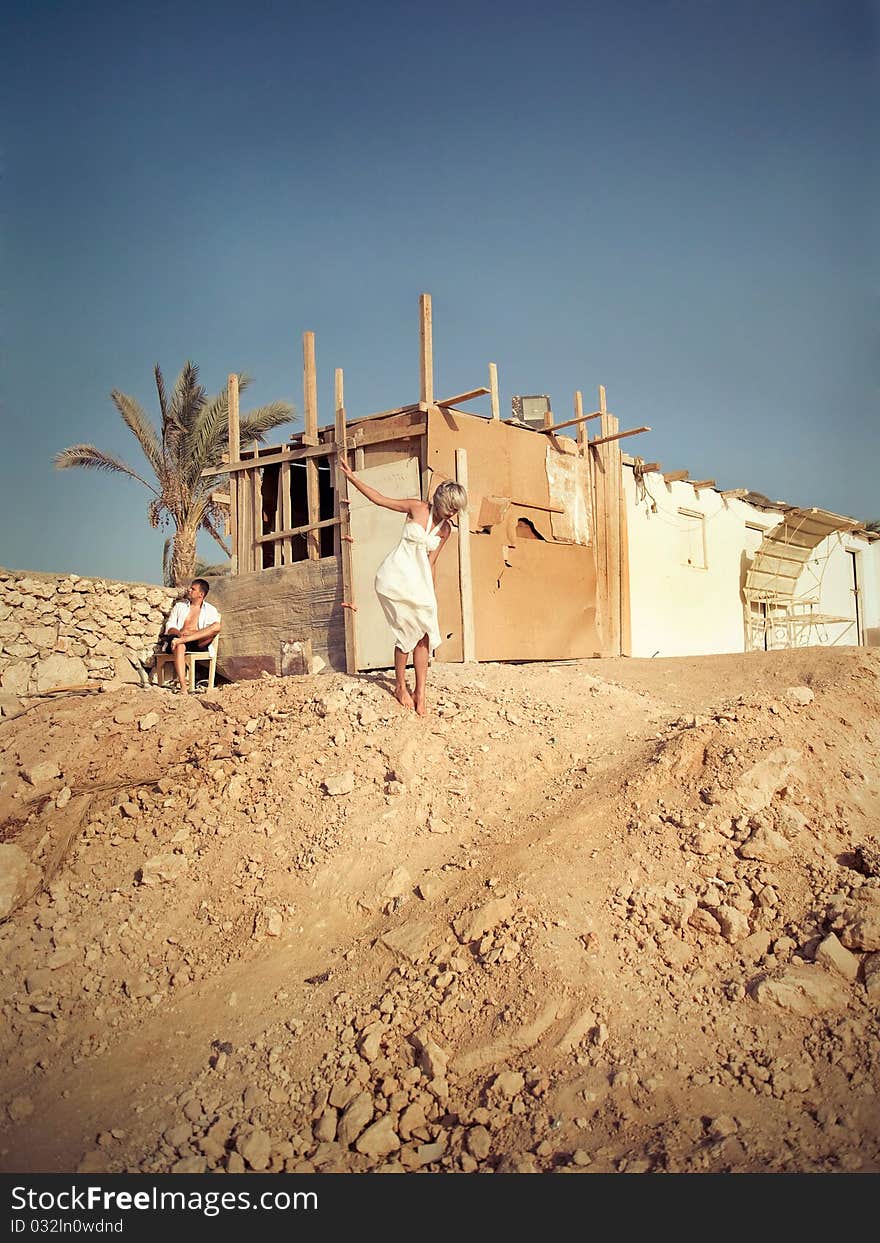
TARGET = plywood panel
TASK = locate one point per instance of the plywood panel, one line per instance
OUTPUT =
(375, 531)
(542, 607)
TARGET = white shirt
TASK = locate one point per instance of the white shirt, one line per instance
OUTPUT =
(208, 615)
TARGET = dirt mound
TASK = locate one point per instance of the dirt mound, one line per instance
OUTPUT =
(604, 915)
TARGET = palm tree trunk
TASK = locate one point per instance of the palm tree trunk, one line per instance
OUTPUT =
(183, 558)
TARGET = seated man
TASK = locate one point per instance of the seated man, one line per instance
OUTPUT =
(192, 626)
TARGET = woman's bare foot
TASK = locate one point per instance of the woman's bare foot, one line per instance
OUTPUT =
(402, 695)
(419, 706)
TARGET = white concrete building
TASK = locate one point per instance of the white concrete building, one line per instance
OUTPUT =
(691, 550)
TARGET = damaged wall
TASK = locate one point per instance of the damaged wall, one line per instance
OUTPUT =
(534, 596)
(267, 608)
(687, 571)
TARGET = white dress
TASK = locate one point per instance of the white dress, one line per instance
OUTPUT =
(405, 587)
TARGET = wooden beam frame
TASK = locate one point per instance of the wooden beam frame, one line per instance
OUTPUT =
(269, 536)
(462, 397)
(343, 514)
(493, 392)
(633, 431)
(310, 438)
(701, 483)
(582, 418)
(235, 455)
(675, 476)
(734, 493)
(426, 350)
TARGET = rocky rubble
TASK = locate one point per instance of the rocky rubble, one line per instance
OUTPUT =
(296, 929)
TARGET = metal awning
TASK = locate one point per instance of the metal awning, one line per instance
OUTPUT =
(786, 549)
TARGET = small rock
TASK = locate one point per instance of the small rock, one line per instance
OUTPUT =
(722, 1126)
(705, 921)
(734, 924)
(379, 1140)
(19, 1108)
(806, 990)
(339, 783)
(799, 695)
(858, 924)
(765, 845)
(163, 868)
(432, 1058)
(324, 1129)
(41, 774)
(255, 1148)
(190, 1165)
(355, 1118)
(473, 925)
(509, 1083)
(830, 953)
(148, 722)
(479, 1142)
(398, 884)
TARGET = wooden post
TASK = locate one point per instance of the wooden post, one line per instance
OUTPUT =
(245, 482)
(493, 391)
(581, 427)
(625, 607)
(258, 510)
(310, 437)
(607, 464)
(597, 483)
(464, 565)
(426, 351)
(234, 456)
(277, 548)
(286, 511)
(344, 529)
(612, 451)
(310, 391)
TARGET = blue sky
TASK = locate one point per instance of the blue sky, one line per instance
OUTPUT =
(672, 198)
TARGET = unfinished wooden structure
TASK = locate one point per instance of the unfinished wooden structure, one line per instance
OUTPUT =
(537, 571)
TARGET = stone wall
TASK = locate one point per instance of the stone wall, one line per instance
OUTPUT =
(63, 630)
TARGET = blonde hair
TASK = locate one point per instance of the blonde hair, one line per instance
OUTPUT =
(448, 500)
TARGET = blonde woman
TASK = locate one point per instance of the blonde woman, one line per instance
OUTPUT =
(405, 579)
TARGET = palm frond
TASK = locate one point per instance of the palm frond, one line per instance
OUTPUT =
(187, 398)
(160, 389)
(91, 458)
(256, 423)
(197, 450)
(137, 422)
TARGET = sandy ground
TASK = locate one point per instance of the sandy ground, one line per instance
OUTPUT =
(588, 916)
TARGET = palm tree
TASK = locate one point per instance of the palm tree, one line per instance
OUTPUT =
(194, 435)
